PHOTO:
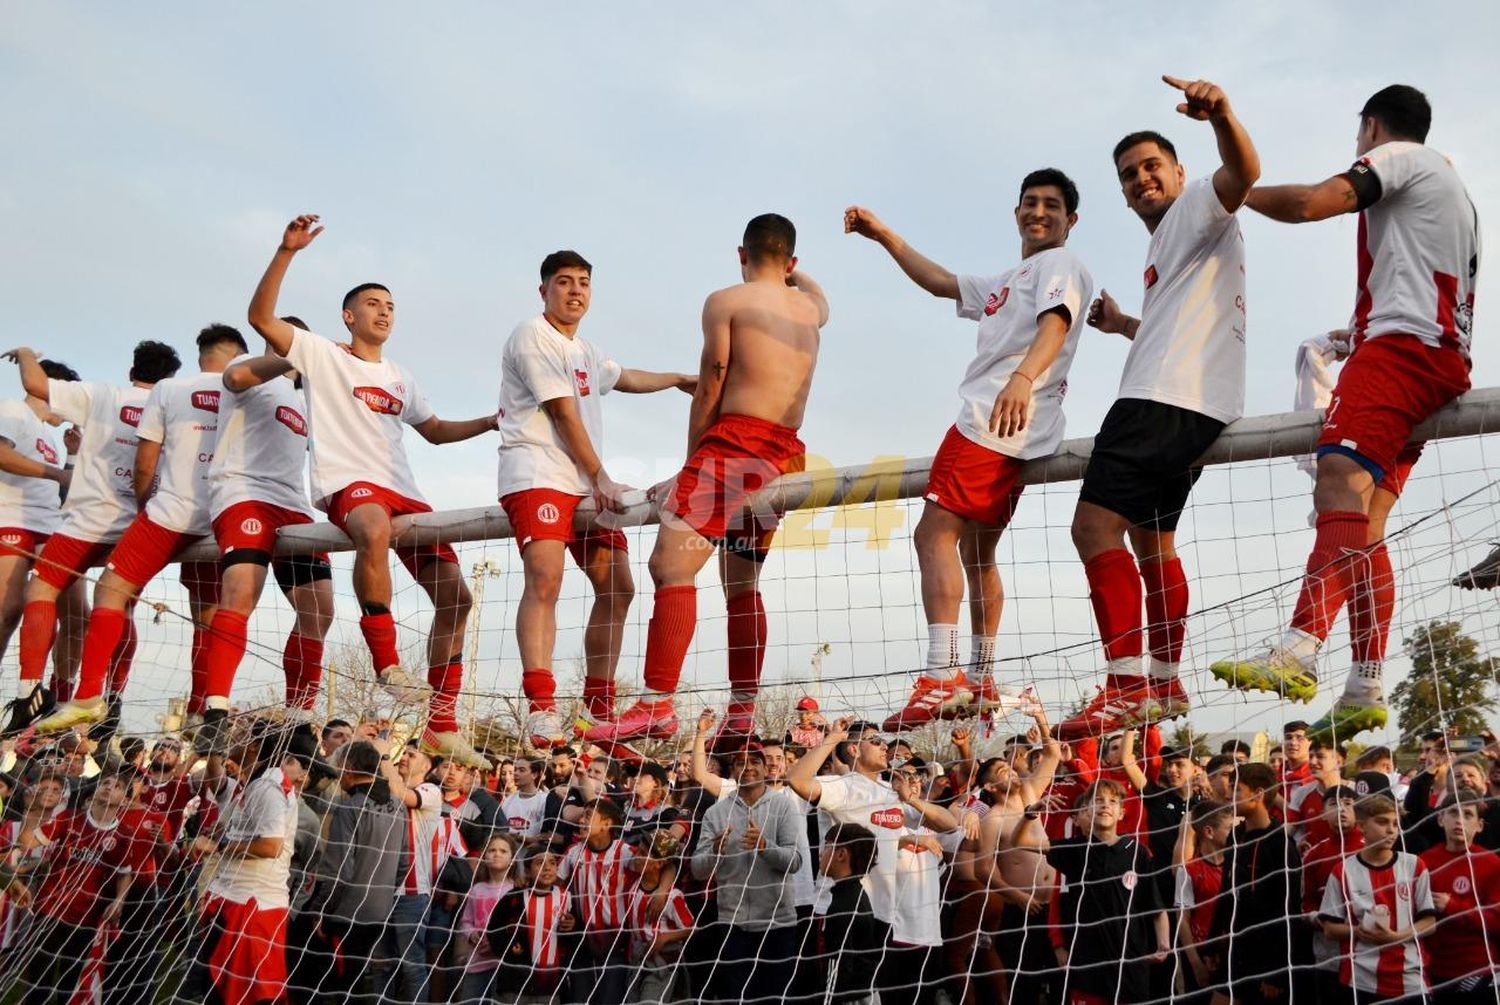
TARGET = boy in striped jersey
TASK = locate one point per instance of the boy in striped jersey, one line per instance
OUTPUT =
(528, 932)
(1377, 904)
(596, 871)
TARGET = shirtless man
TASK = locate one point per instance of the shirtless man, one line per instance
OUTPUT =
(760, 344)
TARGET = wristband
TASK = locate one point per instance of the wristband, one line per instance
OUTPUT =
(1025, 377)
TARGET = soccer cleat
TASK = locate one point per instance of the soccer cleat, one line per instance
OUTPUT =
(1484, 576)
(1347, 720)
(103, 731)
(737, 727)
(1119, 704)
(654, 720)
(991, 698)
(931, 699)
(1278, 671)
(454, 747)
(212, 737)
(78, 712)
(1169, 697)
(27, 708)
(544, 729)
(397, 682)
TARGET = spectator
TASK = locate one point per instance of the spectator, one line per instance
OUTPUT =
(1304, 805)
(1165, 799)
(1222, 770)
(1377, 906)
(1341, 837)
(1238, 750)
(525, 809)
(596, 870)
(1465, 881)
(810, 728)
(34, 806)
(1199, 856)
(492, 880)
(853, 937)
(1472, 771)
(1425, 792)
(530, 932)
(336, 733)
(660, 922)
(749, 848)
(649, 807)
(1296, 745)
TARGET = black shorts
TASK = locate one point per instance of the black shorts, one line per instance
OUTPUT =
(299, 570)
(1143, 464)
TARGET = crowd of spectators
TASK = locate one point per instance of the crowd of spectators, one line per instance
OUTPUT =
(830, 863)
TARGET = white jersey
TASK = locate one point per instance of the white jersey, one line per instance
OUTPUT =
(431, 836)
(524, 815)
(355, 412)
(28, 503)
(1393, 896)
(1007, 308)
(541, 364)
(101, 496)
(1418, 249)
(1190, 348)
(261, 450)
(182, 414)
(266, 808)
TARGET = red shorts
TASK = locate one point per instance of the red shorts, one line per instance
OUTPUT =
(65, 558)
(737, 456)
(16, 542)
(547, 515)
(145, 549)
(973, 481)
(248, 961)
(413, 556)
(252, 526)
(1385, 390)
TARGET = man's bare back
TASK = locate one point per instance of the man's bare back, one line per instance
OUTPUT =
(772, 335)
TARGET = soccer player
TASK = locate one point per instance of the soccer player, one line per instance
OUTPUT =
(357, 401)
(1029, 319)
(177, 427)
(101, 503)
(256, 487)
(551, 431)
(1418, 255)
(760, 345)
(32, 485)
(1184, 380)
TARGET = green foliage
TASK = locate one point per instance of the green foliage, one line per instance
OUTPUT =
(1451, 686)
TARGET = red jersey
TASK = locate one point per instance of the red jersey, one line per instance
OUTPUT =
(1320, 858)
(1467, 938)
(170, 798)
(85, 859)
(1199, 883)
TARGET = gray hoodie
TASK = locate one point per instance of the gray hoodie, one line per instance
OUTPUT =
(755, 887)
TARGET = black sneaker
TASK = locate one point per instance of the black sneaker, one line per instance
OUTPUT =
(28, 709)
(1484, 576)
(213, 736)
(103, 731)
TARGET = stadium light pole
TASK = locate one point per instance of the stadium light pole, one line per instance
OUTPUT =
(487, 569)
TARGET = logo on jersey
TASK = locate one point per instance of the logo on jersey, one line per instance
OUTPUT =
(251, 526)
(206, 401)
(45, 449)
(1129, 879)
(891, 819)
(291, 419)
(1151, 276)
(582, 376)
(378, 399)
(131, 414)
(1403, 891)
(996, 301)
(548, 513)
(1461, 885)
(519, 824)
(108, 843)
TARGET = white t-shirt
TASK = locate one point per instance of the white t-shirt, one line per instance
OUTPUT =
(261, 450)
(431, 836)
(1418, 249)
(355, 412)
(1190, 348)
(1007, 308)
(524, 814)
(101, 497)
(28, 503)
(182, 414)
(541, 364)
(266, 808)
(903, 891)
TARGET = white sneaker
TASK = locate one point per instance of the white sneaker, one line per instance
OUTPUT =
(544, 729)
(398, 682)
(454, 747)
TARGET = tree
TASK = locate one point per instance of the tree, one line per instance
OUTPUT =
(1451, 686)
(1184, 737)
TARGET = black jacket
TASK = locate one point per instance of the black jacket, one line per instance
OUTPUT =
(854, 941)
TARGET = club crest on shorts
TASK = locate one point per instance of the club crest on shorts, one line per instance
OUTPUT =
(996, 301)
(378, 399)
(250, 525)
(361, 493)
(548, 513)
(131, 414)
(11, 539)
(206, 401)
(49, 454)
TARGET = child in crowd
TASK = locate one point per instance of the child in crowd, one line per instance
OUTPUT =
(1341, 838)
(529, 933)
(853, 937)
(660, 921)
(1200, 879)
(491, 882)
(1465, 879)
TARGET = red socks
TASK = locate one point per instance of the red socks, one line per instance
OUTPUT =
(223, 650)
(124, 658)
(1166, 607)
(540, 689)
(106, 629)
(302, 663)
(674, 617)
(599, 697)
(379, 631)
(38, 632)
(447, 681)
(747, 641)
(1338, 548)
(1371, 606)
(1115, 592)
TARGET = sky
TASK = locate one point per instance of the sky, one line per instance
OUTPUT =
(154, 154)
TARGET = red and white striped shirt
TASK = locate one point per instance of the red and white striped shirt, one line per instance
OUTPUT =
(601, 882)
(1394, 896)
(675, 916)
(544, 912)
(431, 836)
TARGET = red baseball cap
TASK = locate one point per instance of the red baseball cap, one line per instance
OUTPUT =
(807, 704)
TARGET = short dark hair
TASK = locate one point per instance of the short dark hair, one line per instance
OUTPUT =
(1144, 136)
(362, 758)
(538, 765)
(858, 841)
(1235, 747)
(58, 371)
(609, 810)
(564, 752)
(218, 334)
(1464, 797)
(769, 236)
(1324, 743)
(1402, 109)
(564, 259)
(332, 724)
(1256, 776)
(1370, 755)
(154, 361)
(1295, 726)
(1435, 736)
(1219, 761)
(1207, 812)
(361, 288)
(653, 770)
(295, 322)
(1052, 176)
(1375, 804)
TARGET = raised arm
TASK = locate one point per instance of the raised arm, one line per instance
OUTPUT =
(649, 381)
(802, 281)
(803, 776)
(713, 369)
(298, 235)
(254, 372)
(33, 377)
(1305, 203)
(440, 431)
(710, 783)
(923, 271)
(1040, 779)
(1130, 764)
(1240, 167)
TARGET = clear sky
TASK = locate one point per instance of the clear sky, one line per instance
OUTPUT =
(153, 154)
